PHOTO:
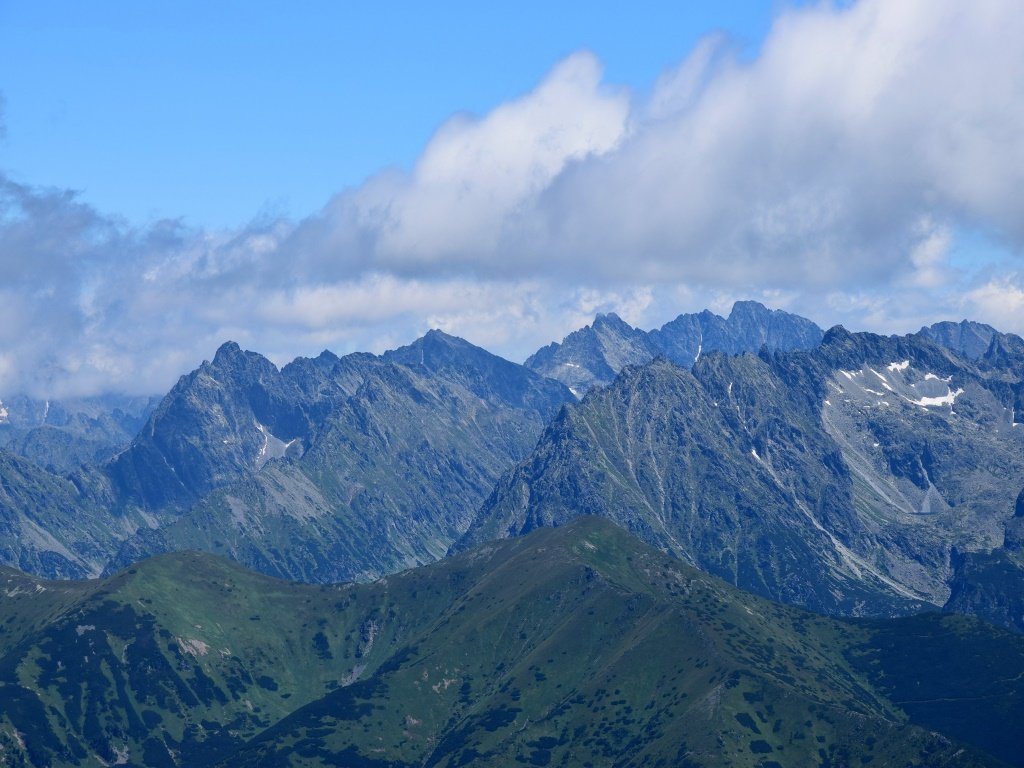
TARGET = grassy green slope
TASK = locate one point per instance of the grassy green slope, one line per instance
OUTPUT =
(570, 646)
(582, 648)
(175, 661)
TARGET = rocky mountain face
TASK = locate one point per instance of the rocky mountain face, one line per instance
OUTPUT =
(329, 468)
(865, 476)
(378, 463)
(51, 524)
(840, 478)
(969, 338)
(990, 584)
(576, 645)
(225, 420)
(595, 354)
(62, 435)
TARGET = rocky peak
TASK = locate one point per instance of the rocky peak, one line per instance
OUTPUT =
(594, 354)
(227, 353)
(968, 338)
(748, 310)
(485, 374)
(611, 321)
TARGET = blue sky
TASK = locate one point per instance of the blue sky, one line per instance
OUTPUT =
(304, 176)
(218, 112)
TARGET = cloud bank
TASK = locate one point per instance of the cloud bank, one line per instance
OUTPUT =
(864, 168)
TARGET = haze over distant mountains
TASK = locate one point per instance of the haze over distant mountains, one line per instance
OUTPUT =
(594, 355)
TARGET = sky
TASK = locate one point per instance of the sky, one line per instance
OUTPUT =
(346, 176)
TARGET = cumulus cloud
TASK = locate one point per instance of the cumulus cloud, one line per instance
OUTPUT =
(831, 175)
(998, 301)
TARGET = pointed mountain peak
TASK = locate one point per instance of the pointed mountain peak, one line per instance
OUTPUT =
(230, 356)
(436, 349)
(612, 321)
(837, 334)
(227, 351)
(437, 336)
(327, 356)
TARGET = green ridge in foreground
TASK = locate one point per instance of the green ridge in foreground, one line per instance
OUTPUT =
(571, 646)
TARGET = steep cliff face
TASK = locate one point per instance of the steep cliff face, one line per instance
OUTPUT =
(990, 583)
(225, 420)
(968, 338)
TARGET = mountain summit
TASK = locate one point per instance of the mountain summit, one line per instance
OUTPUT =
(335, 468)
(594, 355)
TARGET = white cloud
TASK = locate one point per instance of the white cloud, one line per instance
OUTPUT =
(999, 302)
(830, 175)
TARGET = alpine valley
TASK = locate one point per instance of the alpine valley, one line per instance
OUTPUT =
(736, 541)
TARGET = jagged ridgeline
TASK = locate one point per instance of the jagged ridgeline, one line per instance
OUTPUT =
(329, 468)
(594, 355)
(571, 646)
(853, 478)
(332, 469)
(867, 475)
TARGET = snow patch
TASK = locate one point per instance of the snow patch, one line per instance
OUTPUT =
(947, 399)
(3, 413)
(897, 367)
(272, 448)
(879, 376)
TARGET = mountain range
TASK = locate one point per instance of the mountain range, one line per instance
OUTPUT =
(842, 478)
(595, 354)
(61, 435)
(850, 473)
(581, 560)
